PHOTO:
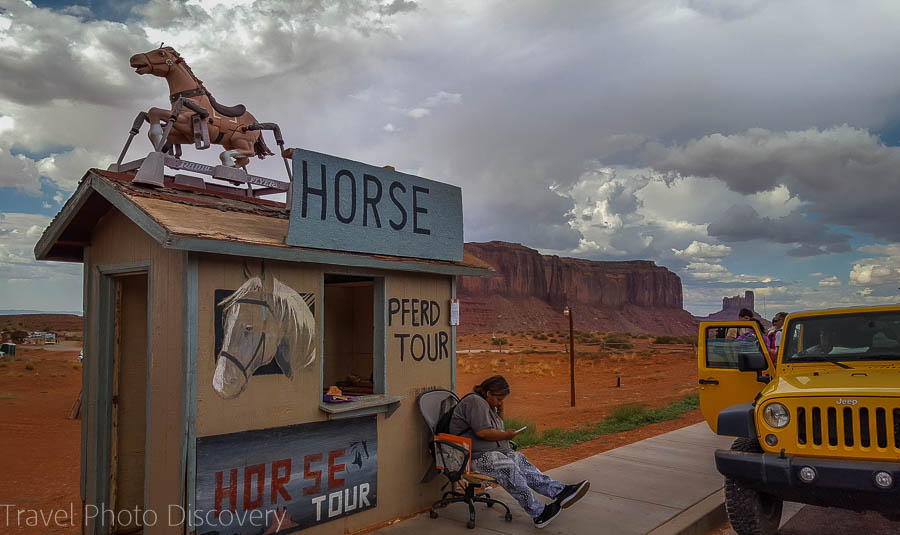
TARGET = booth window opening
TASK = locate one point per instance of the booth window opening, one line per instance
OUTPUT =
(350, 353)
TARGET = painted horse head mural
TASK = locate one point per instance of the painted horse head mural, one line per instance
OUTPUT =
(229, 126)
(263, 321)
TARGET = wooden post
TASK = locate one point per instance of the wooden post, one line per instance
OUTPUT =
(568, 312)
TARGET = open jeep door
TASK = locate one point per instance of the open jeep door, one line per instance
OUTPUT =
(722, 384)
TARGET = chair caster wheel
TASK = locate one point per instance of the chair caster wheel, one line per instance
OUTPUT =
(470, 524)
(490, 504)
(433, 514)
(509, 517)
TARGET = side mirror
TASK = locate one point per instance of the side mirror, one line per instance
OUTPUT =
(752, 362)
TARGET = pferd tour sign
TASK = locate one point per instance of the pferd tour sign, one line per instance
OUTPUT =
(345, 205)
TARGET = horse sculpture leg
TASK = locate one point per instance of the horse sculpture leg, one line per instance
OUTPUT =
(157, 116)
(241, 148)
(229, 157)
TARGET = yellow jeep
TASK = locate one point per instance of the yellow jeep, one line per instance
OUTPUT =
(818, 423)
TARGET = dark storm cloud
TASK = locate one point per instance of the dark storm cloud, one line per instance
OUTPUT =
(727, 9)
(544, 89)
(742, 223)
(844, 175)
(48, 56)
(398, 6)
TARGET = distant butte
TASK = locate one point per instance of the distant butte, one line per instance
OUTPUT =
(530, 290)
(731, 306)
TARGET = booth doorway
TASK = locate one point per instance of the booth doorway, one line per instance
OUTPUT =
(129, 399)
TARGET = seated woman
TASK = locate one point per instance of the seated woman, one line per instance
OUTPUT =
(479, 416)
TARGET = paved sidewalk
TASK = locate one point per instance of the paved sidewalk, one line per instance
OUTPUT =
(635, 489)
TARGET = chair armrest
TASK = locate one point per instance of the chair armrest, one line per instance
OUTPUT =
(512, 445)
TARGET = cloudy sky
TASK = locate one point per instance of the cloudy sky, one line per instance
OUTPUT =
(743, 144)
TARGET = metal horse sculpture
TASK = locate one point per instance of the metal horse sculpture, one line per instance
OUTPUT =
(195, 116)
(264, 320)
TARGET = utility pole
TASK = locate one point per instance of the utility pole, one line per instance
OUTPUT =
(568, 312)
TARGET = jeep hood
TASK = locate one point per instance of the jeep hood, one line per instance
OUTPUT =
(816, 381)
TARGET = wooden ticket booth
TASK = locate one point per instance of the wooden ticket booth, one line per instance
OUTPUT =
(216, 325)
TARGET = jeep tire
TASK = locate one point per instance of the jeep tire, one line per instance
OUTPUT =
(750, 511)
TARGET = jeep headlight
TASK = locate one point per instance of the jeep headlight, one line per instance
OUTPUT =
(776, 415)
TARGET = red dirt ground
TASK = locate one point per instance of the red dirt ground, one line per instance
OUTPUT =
(40, 448)
(539, 379)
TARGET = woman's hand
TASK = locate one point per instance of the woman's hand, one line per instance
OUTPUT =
(500, 410)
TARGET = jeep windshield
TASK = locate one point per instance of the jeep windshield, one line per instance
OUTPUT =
(843, 338)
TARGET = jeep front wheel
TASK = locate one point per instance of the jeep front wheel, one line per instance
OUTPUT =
(750, 511)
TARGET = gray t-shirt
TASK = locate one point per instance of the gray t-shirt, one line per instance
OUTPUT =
(474, 414)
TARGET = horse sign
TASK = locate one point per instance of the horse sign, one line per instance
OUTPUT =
(263, 322)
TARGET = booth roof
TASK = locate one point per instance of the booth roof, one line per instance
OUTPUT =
(214, 220)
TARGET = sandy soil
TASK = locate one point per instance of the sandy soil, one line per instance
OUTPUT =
(538, 373)
(40, 448)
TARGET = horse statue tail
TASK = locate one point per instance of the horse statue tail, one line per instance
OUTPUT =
(260, 147)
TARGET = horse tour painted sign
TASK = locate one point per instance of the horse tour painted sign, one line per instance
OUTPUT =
(345, 205)
(287, 478)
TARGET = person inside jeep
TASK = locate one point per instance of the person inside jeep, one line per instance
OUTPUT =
(480, 418)
(824, 347)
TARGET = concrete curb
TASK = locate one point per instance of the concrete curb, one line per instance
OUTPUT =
(698, 519)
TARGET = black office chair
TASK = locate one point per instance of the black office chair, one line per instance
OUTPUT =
(454, 459)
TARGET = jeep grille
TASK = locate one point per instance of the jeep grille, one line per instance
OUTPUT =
(869, 429)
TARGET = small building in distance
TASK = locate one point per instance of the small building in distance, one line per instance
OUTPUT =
(40, 338)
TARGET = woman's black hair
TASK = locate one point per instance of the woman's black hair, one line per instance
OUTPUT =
(495, 384)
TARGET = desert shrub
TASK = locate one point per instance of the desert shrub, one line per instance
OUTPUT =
(29, 366)
(19, 336)
(592, 339)
(540, 336)
(618, 341)
(553, 340)
(626, 412)
(498, 341)
(673, 339)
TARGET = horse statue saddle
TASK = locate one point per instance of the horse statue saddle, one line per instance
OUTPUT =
(227, 111)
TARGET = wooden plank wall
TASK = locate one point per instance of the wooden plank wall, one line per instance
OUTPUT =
(268, 400)
(116, 240)
(275, 401)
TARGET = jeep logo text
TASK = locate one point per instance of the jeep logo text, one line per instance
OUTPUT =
(842, 401)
